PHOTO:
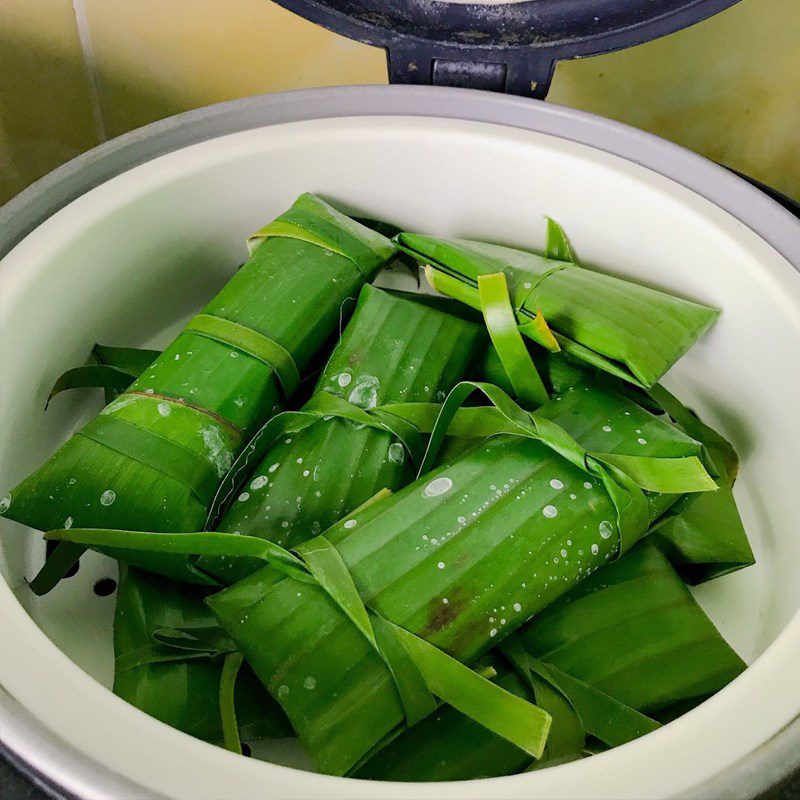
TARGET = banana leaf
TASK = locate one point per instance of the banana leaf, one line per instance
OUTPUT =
(631, 631)
(112, 369)
(394, 349)
(178, 688)
(153, 458)
(460, 559)
(704, 536)
(631, 331)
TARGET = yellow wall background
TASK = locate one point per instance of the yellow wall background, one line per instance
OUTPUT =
(75, 72)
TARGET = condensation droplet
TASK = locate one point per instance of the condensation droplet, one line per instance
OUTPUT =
(397, 453)
(351, 523)
(108, 497)
(556, 483)
(550, 511)
(438, 486)
(259, 483)
(164, 409)
(606, 529)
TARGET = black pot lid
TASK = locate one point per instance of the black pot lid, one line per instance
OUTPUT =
(500, 45)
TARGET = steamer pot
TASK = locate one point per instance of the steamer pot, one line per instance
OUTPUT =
(122, 244)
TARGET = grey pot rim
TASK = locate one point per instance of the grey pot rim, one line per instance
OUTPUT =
(53, 765)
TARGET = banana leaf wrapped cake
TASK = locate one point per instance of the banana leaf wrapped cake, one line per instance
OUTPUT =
(628, 641)
(335, 457)
(625, 329)
(154, 456)
(177, 688)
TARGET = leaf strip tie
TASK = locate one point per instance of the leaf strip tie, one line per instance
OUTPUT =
(56, 567)
(601, 715)
(251, 342)
(227, 704)
(399, 419)
(155, 451)
(508, 342)
(308, 220)
(505, 714)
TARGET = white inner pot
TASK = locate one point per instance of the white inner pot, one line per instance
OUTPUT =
(131, 260)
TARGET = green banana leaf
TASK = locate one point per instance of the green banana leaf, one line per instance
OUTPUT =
(461, 558)
(631, 331)
(393, 350)
(703, 537)
(178, 689)
(112, 369)
(706, 538)
(632, 631)
(153, 458)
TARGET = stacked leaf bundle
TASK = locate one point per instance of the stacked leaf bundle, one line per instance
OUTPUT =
(465, 608)
(460, 559)
(154, 457)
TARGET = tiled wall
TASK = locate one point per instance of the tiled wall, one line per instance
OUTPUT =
(74, 72)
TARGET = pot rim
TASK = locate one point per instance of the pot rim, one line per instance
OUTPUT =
(53, 764)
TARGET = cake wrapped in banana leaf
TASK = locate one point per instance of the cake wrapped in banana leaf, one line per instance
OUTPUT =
(631, 632)
(703, 536)
(153, 458)
(628, 330)
(395, 349)
(459, 559)
(181, 689)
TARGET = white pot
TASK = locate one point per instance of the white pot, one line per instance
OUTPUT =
(125, 242)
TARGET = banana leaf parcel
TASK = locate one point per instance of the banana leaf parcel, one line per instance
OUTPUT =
(459, 559)
(394, 350)
(181, 689)
(628, 639)
(153, 458)
(703, 536)
(631, 331)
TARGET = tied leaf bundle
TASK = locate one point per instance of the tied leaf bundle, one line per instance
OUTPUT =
(627, 642)
(704, 538)
(628, 330)
(394, 350)
(181, 687)
(153, 458)
(460, 558)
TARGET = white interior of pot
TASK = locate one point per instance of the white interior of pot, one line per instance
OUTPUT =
(130, 261)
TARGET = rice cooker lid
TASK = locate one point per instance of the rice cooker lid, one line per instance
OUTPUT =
(499, 45)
